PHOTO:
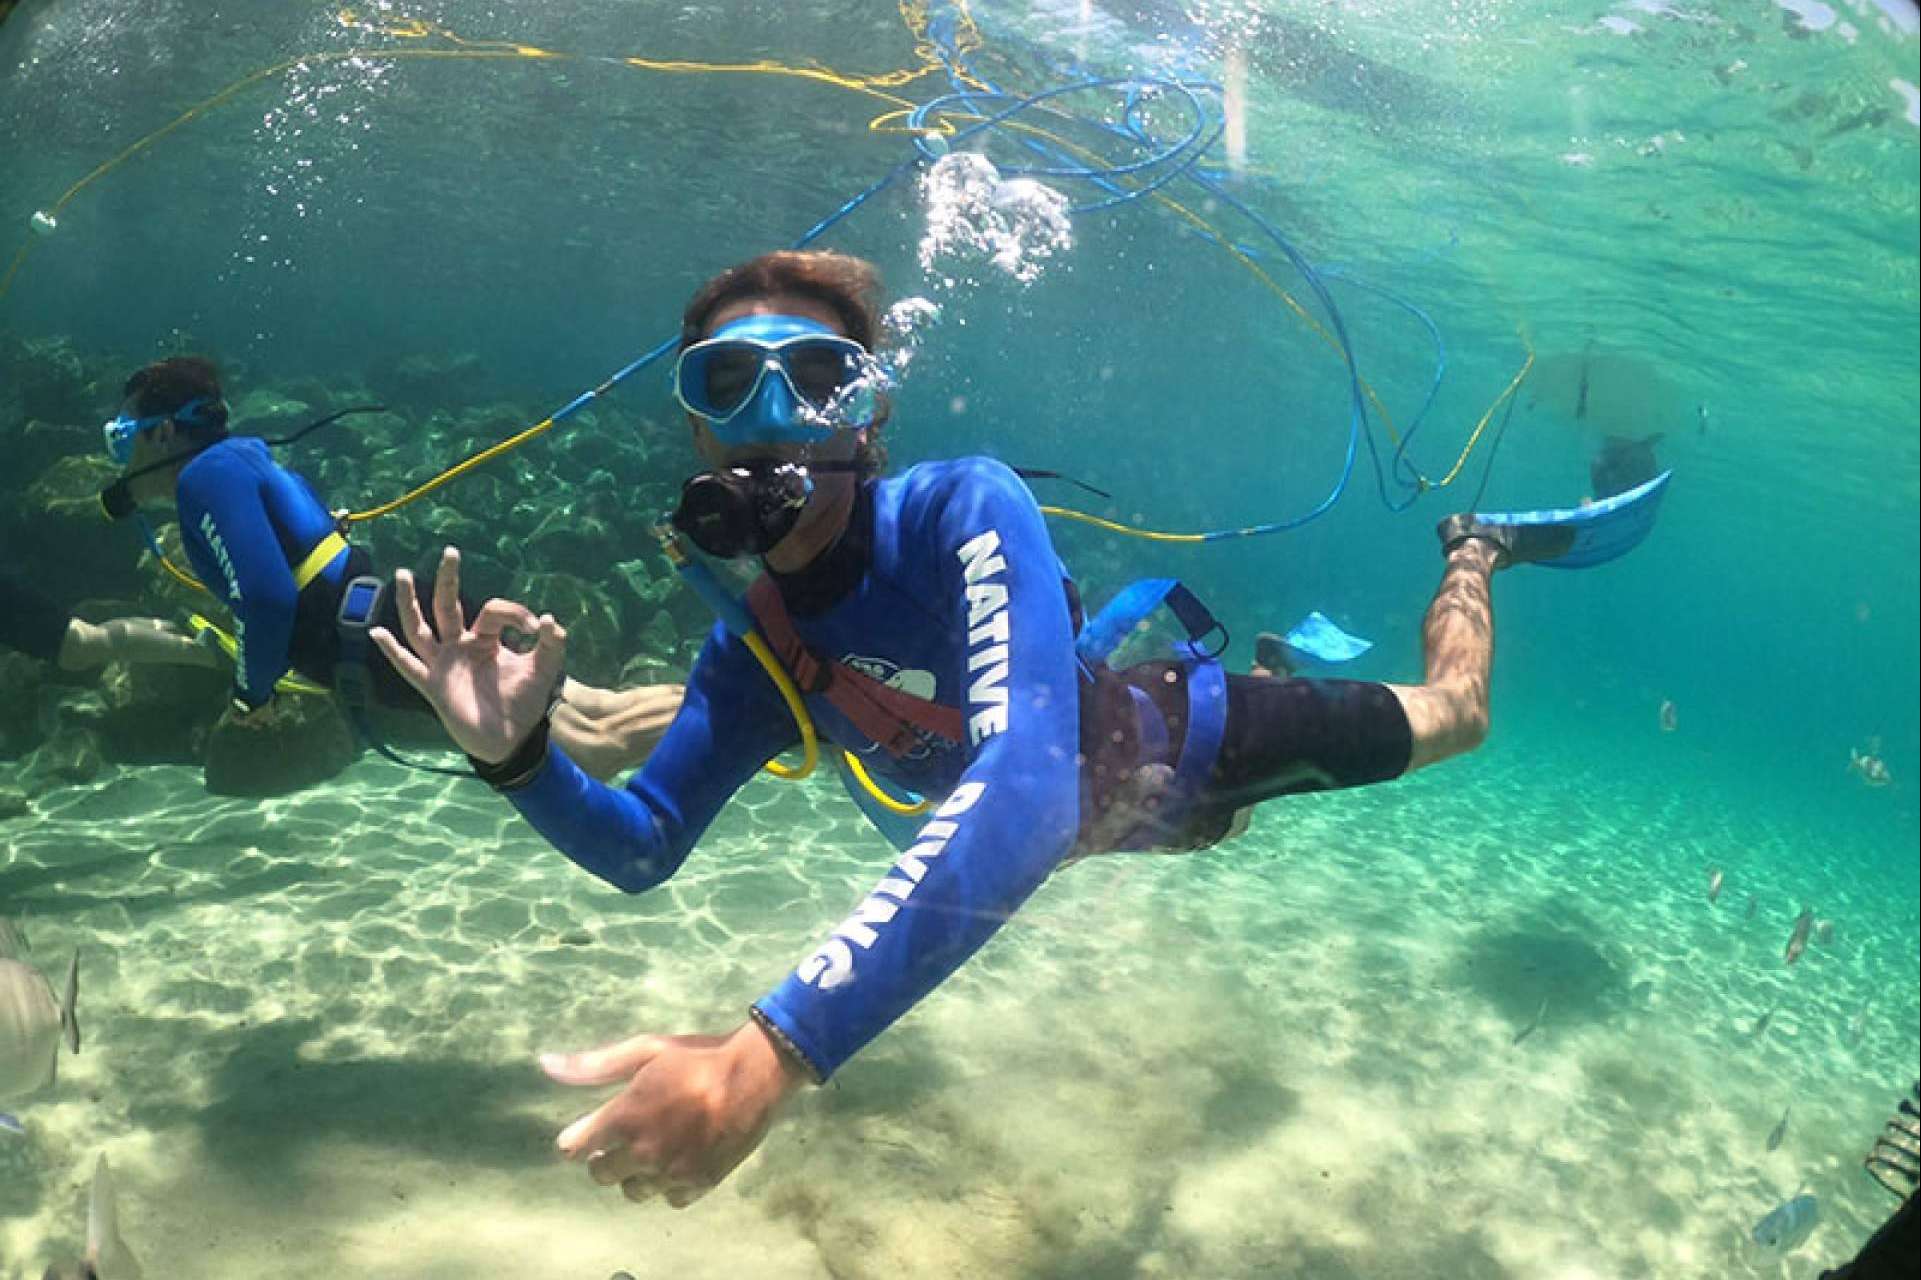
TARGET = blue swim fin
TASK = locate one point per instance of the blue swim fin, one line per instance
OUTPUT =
(1566, 537)
(1315, 639)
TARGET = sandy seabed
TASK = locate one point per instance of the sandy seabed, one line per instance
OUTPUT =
(311, 1026)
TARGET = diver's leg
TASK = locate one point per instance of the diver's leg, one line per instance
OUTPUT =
(1448, 713)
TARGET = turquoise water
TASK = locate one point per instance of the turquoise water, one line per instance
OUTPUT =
(311, 1019)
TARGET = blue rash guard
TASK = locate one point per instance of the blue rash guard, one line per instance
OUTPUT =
(961, 599)
(246, 522)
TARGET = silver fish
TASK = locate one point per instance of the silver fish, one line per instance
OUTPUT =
(32, 1021)
(1798, 940)
(1715, 880)
(1824, 932)
(1785, 1227)
(1856, 1025)
(107, 1256)
(1761, 1023)
(1780, 1130)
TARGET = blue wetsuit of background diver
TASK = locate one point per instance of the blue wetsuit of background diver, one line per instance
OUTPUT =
(246, 523)
(947, 585)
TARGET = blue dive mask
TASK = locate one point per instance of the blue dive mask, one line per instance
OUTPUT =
(777, 380)
(121, 430)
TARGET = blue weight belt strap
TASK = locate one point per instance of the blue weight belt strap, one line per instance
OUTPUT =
(1206, 696)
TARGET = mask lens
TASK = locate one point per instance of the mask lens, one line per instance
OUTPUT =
(820, 370)
(728, 376)
(119, 436)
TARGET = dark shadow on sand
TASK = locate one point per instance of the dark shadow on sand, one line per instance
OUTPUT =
(268, 1105)
(1544, 957)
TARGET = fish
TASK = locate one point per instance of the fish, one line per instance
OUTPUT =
(1798, 940)
(1780, 1130)
(107, 1256)
(1754, 905)
(1533, 1026)
(1824, 932)
(1701, 411)
(1716, 879)
(32, 1020)
(1761, 1023)
(1856, 1025)
(1670, 718)
(1787, 1225)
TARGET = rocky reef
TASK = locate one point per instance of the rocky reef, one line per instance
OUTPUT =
(562, 523)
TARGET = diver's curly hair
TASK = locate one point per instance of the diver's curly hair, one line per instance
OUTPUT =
(166, 385)
(846, 285)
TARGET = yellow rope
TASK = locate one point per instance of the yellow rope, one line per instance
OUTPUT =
(809, 742)
(880, 794)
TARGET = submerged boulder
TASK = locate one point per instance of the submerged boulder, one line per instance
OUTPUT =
(425, 380)
(153, 713)
(59, 523)
(295, 743)
(50, 378)
(265, 412)
(71, 756)
(20, 681)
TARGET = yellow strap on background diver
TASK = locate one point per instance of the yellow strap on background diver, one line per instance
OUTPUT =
(316, 561)
(231, 647)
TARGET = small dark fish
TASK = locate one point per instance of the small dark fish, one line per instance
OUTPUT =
(1798, 940)
(1754, 905)
(1701, 410)
(1715, 880)
(1761, 1023)
(1780, 1130)
(1533, 1026)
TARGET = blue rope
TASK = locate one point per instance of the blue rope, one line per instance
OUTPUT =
(1166, 159)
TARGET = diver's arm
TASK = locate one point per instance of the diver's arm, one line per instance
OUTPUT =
(636, 836)
(1009, 821)
(235, 549)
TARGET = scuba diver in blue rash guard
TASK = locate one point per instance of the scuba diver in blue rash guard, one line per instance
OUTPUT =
(931, 631)
(271, 552)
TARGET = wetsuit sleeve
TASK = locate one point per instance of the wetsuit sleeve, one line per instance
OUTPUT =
(1012, 816)
(237, 553)
(730, 723)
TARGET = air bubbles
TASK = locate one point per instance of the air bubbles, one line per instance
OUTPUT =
(974, 216)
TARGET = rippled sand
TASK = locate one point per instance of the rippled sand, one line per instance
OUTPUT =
(311, 1026)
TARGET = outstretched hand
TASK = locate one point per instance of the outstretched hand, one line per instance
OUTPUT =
(693, 1108)
(489, 696)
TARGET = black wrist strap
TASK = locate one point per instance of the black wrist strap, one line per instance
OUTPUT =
(520, 766)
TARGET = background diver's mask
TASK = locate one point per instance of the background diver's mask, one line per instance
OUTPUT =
(117, 499)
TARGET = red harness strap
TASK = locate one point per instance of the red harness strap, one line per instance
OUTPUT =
(897, 720)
